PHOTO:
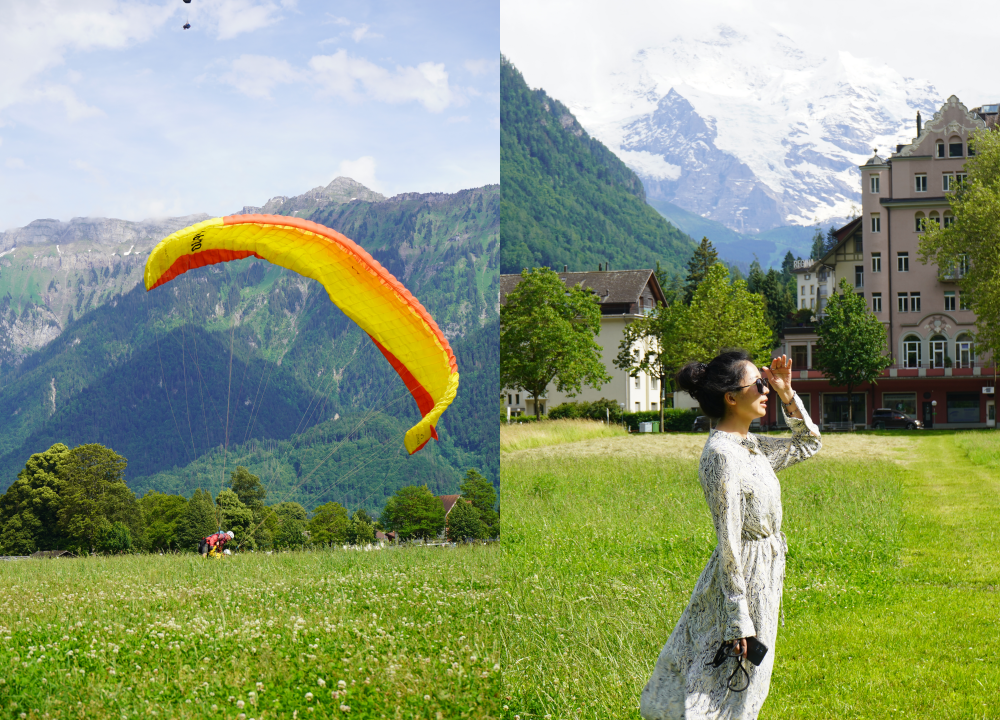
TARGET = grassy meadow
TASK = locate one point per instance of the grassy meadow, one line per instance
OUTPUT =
(890, 600)
(406, 633)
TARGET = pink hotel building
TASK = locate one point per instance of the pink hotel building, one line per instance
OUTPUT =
(936, 374)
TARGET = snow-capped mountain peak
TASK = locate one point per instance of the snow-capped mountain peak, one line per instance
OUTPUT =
(752, 130)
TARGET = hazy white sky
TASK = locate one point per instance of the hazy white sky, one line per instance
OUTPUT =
(570, 48)
(110, 108)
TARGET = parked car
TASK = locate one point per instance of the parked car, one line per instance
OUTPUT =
(701, 424)
(887, 418)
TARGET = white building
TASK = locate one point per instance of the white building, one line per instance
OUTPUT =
(624, 295)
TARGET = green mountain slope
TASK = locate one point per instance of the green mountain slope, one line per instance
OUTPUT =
(149, 373)
(567, 199)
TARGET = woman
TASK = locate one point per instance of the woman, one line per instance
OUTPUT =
(215, 543)
(739, 593)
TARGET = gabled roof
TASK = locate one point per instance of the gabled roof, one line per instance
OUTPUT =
(448, 501)
(610, 286)
(41, 554)
(843, 234)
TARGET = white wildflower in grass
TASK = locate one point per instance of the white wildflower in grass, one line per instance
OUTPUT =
(240, 704)
(345, 708)
(309, 697)
(341, 684)
(427, 697)
(260, 687)
(321, 682)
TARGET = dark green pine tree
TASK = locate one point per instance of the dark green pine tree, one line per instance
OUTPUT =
(818, 246)
(788, 264)
(199, 521)
(703, 258)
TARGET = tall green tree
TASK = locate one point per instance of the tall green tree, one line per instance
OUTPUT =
(362, 530)
(851, 346)
(29, 510)
(655, 345)
(199, 520)
(414, 512)
(703, 258)
(818, 245)
(483, 496)
(95, 496)
(163, 515)
(248, 488)
(969, 249)
(330, 524)
(780, 302)
(788, 264)
(237, 517)
(290, 533)
(725, 315)
(547, 335)
(465, 523)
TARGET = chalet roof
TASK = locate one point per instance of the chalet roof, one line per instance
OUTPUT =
(843, 234)
(610, 286)
(448, 501)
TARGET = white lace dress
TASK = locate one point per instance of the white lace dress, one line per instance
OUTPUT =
(739, 591)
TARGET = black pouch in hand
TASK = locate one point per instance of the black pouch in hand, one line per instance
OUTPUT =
(756, 650)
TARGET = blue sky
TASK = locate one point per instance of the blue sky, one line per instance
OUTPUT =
(109, 108)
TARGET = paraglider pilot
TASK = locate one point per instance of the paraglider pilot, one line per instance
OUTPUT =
(213, 544)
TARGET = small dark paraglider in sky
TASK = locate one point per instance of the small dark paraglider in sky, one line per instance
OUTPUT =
(187, 25)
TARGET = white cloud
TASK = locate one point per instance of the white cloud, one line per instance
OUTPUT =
(235, 17)
(75, 108)
(351, 77)
(257, 75)
(334, 20)
(36, 36)
(361, 32)
(480, 67)
(15, 164)
(362, 170)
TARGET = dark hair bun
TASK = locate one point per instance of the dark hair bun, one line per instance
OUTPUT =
(708, 384)
(691, 377)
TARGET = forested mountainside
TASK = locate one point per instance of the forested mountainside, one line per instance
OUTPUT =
(149, 374)
(567, 199)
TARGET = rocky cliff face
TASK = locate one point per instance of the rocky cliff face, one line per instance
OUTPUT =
(752, 128)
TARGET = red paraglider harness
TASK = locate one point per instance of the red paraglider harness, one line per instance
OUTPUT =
(213, 544)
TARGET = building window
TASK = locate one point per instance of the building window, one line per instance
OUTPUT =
(949, 219)
(877, 302)
(510, 399)
(947, 181)
(652, 382)
(971, 150)
(960, 178)
(920, 182)
(965, 354)
(911, 351)
(934, 217)
(914, 302)
(803, 289)
(905, 403)
(940, 148)
(858, 247)
(903, 302)
(949, 300)
(812, 303)
(652, 406)
(807, 276)
(876, 223)
(955, 149)
(517, 399)
(903, 262)
(859, 276)
(963, 302)
(918, 222)
(938, 351)
(800, 356)
(873, 183)
(638, 383)
(963, 407)
(876, 262)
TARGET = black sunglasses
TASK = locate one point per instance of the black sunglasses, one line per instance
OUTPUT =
(763, 386)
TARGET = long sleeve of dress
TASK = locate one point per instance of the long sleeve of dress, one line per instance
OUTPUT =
(804, 442)
(725, 499)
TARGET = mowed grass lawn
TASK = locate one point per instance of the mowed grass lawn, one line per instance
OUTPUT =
(405, 633)
(891, 597)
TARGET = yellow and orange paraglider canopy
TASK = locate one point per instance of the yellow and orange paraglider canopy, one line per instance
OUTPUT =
(367, 293)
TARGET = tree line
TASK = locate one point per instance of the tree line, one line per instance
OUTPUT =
(77, 499)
